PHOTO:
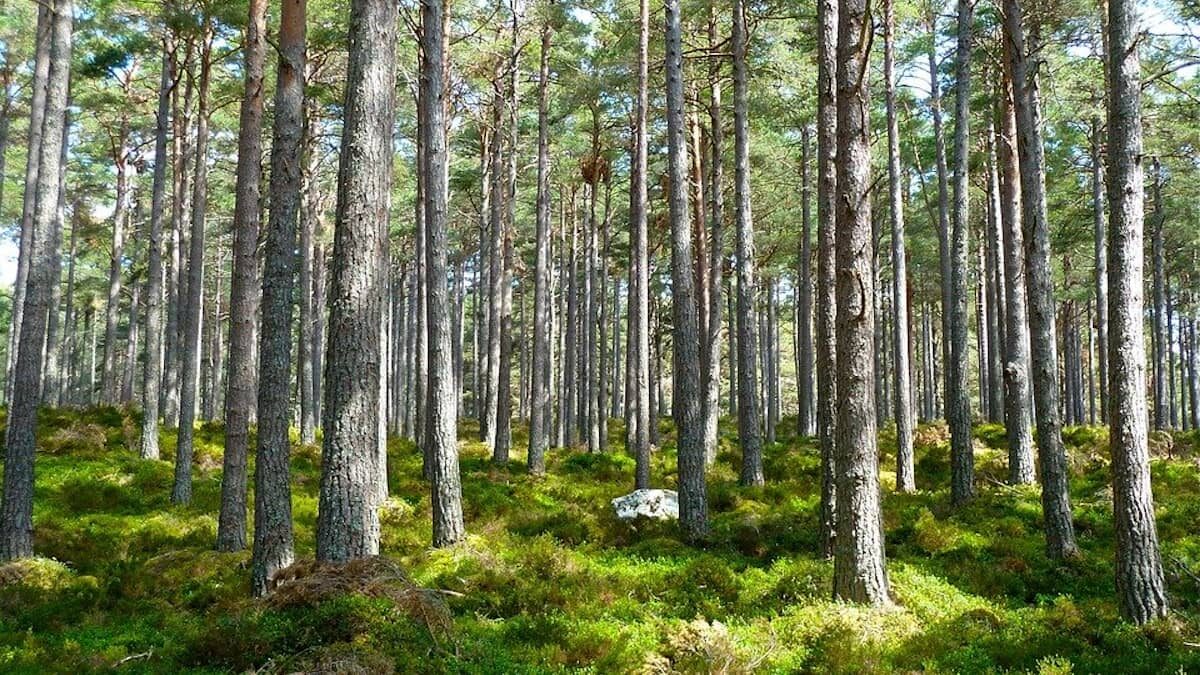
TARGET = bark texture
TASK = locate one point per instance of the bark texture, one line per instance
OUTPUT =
(859, 569)
(1141, 591)
(442, 428)
(1039, 287)
(273, 547)
(347, 516)
(826, 320)
(693, 501)
(16, 503)
(243, 298)
(749, 415)
(905, 480)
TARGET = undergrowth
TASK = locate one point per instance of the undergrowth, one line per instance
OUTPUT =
(550, 581)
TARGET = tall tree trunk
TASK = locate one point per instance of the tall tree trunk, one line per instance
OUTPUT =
(1140, 588)
(804, 298)
(52, 383)
(716, 261)
(504, 412)
(487, 429)
(749, 417)
(539, 424)
(1160, 301)
(1017, 415)
(152, 374)
(181, 493)
(109, 381)
(310, 213)
(827, 149)
(693, 502)
(859, 571)
(243, 300)
(175, 279)
(954, 294)
(448, 527)
(905, 481)
(37, 112)
(1100, 262)
(1056, 501)
(131, 343)
(273, 549)
(639, 305)
(992, 280)
(68, 367)
(16, 505)
(347, 517)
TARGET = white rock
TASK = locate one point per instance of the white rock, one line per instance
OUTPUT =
(656, 504)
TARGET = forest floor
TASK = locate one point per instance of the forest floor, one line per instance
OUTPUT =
(550, 581)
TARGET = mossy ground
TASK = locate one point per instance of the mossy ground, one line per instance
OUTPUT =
(549, 581)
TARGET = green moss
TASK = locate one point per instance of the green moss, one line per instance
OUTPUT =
(550, 581)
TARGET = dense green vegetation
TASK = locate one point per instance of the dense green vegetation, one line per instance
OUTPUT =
(549, 580)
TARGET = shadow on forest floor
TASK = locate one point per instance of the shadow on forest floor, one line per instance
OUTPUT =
(549, 580)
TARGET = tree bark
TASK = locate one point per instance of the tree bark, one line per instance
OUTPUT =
(639, 305)
(273, 548)
(905, 481)
(1056, 502)
(749, 417)
(347, 517)
(309, 216)
(693, 501)
(1161, 406)
(37, 113)
(448, 527)
(1100, 262)
(804, 299)
(52, 383)
(716, 256)
(826, 319)
(1017, 415)
(181, 493)
(539, 425)
(152, 374)
(16, 505)
(954, 294)
(243, 301)
(859, 571)
(1140, 588)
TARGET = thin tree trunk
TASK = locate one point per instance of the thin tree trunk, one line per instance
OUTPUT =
(749, 417)
(109, 381)
(905, 481)
(273, 548)
(448, 527)
(1017, 413)
(639, 306)
(1056, 504)
(52, 384)
(804, 298)
(693, 503)
(1100, 262)
(954, 309)
(152, 375)
(243, 300)
(827, 153)
(190, 344)
(539, 425)
(308, 222)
